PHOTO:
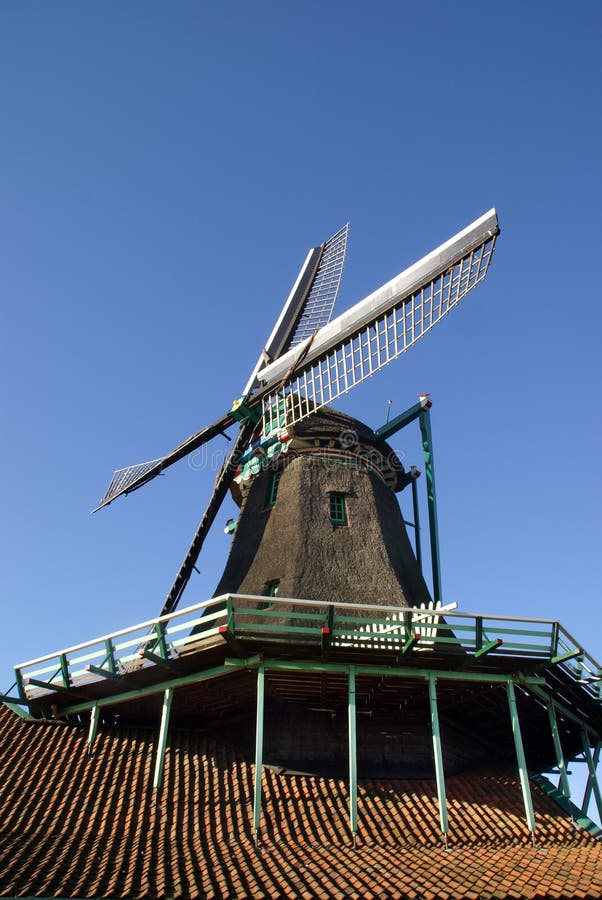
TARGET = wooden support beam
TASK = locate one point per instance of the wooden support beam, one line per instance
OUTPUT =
(520, 756)
(565, 657)
(233, 643)
(564, 781)
(49, 685)
(589, 786)
(487, 648)
(258, 751)
(103, 673)
(160, 760)
(156, 659)
(438, 755)
(592, 781)
(410, 643)
(94, 717)
(352, 754)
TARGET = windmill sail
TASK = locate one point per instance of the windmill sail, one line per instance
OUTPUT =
(379, 328)
(317, 311)
(310, 303)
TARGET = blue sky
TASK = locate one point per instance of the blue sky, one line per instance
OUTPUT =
(163, 170)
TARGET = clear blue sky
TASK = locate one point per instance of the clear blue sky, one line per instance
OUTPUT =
(163, 170)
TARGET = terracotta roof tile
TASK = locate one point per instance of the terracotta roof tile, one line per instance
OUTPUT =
(73, 826)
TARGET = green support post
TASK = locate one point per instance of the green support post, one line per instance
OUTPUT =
(438, 755)
(20, 686)
(520, 757)
(65, 670)
(160, 760)
(417, 543)
(110, 656)
(427, 446)
(352, 754)
(94, 717)
(258, 751)
(478, 632)
(160, 632)
(566, 790)
(592, 781)
(588, 788)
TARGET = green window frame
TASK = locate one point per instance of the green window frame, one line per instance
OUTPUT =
(273, 491)
(270, 590)
(338, 509)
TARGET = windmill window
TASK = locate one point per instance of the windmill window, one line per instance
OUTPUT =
(270, 590)
(338, 510)
(273, 492)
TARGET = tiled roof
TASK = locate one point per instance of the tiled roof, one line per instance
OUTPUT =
(73, 826)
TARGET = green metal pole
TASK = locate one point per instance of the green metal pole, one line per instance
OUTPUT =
(352, 755)
(438, 755)
(588, 788)
(427, 446)
(417, 543)
(592, 780)
(566, 790)
(258, 750)
(160, 760)
(520, 756)
(94, 717)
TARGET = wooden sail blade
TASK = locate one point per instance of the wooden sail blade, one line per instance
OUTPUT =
(124, 481)
(379, 328)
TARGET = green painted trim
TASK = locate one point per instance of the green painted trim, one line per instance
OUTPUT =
(103, 673)
(137, 693)
(390, 428)
(338, 508)
(487, 648)
(235, 665)
(561, 708)
(576, 814)
(565, 657)
(589, 787)
(520, 757)
(18, 710)
(416, 512)
(593, 779)
(258, 750)
(403, 672)
(160, 632)
(429, 463)
(93, 729)
(352, 752)
(558, 749)
(109, 650)
(438, 756)
(65, 670)
(160, 760)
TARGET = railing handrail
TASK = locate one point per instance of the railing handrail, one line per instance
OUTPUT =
(223, 598)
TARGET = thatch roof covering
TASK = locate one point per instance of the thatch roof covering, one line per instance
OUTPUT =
(368, 559)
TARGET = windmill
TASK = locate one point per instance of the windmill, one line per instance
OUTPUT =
(359, 674)
(310, 359)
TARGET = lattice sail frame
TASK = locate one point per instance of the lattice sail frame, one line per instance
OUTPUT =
(319, 305)
(123, 478)
(376, 343)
